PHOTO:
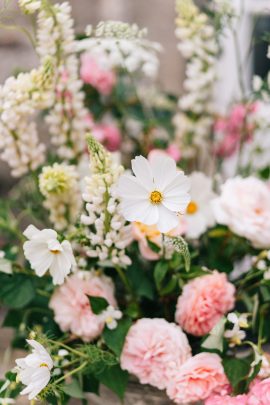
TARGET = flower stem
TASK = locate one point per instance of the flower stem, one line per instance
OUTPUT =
(76, 370)
(124, 279)
(77, 352)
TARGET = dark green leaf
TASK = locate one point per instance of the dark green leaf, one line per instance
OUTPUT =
(73, 390)
(98, 304)
(114, 378)
(170, 286)
(90, 384)
(16, 290)
(153, 246)
(160, 272)
(237, 371)
(115, 338)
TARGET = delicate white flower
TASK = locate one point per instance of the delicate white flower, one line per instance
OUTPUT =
(240, 320)
(236, 335)
(34, 370)
(30, 6)
(199, 215)
(45, 252)
(261, 265)
(156, 193)
(5, 265)
(110, 316)
(241, 267)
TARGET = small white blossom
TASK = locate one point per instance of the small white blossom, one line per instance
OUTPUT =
(236, 335)
(110, 316)
(5, 265)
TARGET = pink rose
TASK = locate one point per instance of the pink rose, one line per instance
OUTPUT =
(227, 400)
(72, 311)
(203, 302)
(153, 350)
(92, 73)
(259, 393)
(198, 378)
(244, 207)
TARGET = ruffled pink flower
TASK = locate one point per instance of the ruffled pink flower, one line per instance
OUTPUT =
(227, 400)
(259, 393)
(92, 73)
(244, 207)
(70, 303)
(109, 135)
(203, 302)
(173, 151)
(198, 378)
(153, 350)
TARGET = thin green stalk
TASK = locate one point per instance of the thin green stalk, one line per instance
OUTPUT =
(68, 348)
(76, 370)
(124, 279)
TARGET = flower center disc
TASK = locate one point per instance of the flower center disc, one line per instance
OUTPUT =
(43, 365)
(192, 208)
(156, 197)
(55, 252)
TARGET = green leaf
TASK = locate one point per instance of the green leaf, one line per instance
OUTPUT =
(180, 246)
(153, 246)
(115, 338)
(215, 339)
(160, 271)
(73, 390)
(90, 384)
(237, 371)
(170, 286)
(16, 290)
(114, 378)
(98, 304)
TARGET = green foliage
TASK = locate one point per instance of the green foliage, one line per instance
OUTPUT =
(98, 304)
(180, 246)
(237, 371)
(114, 378)
(17, 290)
(160, 271)
(115, 338)
(73, 390)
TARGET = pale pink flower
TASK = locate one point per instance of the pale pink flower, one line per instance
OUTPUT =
(203, 302)
(259, 393)
(153, 350)
(173, 151)
(109, 135)
(198, 378)
(244, 207)
(227, 400)
(70, 303)
(100, 78)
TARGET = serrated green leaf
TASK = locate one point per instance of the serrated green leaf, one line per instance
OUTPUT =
(180, 246)
(98, 304)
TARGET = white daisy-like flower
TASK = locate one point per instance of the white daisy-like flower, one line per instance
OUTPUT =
(45, 252)
(199, 214)
(34, 370)
(110, 316)
(156, 194)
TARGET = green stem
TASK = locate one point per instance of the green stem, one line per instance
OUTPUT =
(68, 348)
(124, 279)
(76, 370)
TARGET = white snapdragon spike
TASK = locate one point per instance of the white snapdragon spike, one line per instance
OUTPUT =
(156, 194)
(45, 252)
(110, 316)
(199, 215)
(106, 228)
(5, 265)
(67, 119)
(30, 6)
(120, 45)
(34, 370)
(59, 184)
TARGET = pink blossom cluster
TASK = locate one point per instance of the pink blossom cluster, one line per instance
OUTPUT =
(106, 133)
(233, 129)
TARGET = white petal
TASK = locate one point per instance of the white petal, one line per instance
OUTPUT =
(31, 231)
(167, 221)
(60, 268)
(69, 252)
(164, 170)
(142, 170)
(140, 211)
(129, 187)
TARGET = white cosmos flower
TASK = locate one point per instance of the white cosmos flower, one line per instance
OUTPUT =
(199, 215)
(34, 370)
(110, 316)
(156, 193)
(45, 252)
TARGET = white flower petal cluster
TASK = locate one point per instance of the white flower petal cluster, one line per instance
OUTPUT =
(107, 231)
(156, 194)
(110, 316)
(20, 98)
(66, 120)
(119, 45)
(30, 6)
(34, 370)
(236, 335)
(45, 252)
(60, 186)
(5, 264)
(199, 214)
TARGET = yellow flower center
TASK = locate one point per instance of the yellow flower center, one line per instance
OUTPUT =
(55, 251)
(156, 197)
(43, 365)
(150, 231)
(109, 319)
(192, 208)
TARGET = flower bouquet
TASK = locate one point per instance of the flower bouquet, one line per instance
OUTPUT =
(159, 273)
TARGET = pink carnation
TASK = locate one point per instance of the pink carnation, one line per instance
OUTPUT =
(92, 73)
(203, 302)
(153, 350)
(227, 400)
(259, 393)
(72, 311)
(198, 378)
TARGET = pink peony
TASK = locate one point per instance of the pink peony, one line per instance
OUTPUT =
(198, 378)
(95, 75)
(244, 207)
(227, 400)
(71, 306)
(154, 348)
(259, 393)
(203, 302)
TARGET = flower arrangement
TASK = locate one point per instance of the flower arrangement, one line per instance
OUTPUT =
(159, 273)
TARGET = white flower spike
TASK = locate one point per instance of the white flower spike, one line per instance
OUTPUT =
(45, 252)
(156, 194)
(34, 370)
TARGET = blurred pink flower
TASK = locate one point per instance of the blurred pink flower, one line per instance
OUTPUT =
(92, 73)
(259, 393)
(203, 302)
(70, 303)
(106, 133)
(173, 151)
(227, 400)
(198, 378)
(153, 350)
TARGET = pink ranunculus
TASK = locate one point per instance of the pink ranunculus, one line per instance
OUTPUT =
(70, 303)
(227, 400)
(198, 378)
(153, 350)
(95, 75)
(203, 302)
(259, 393)
(244, 207)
